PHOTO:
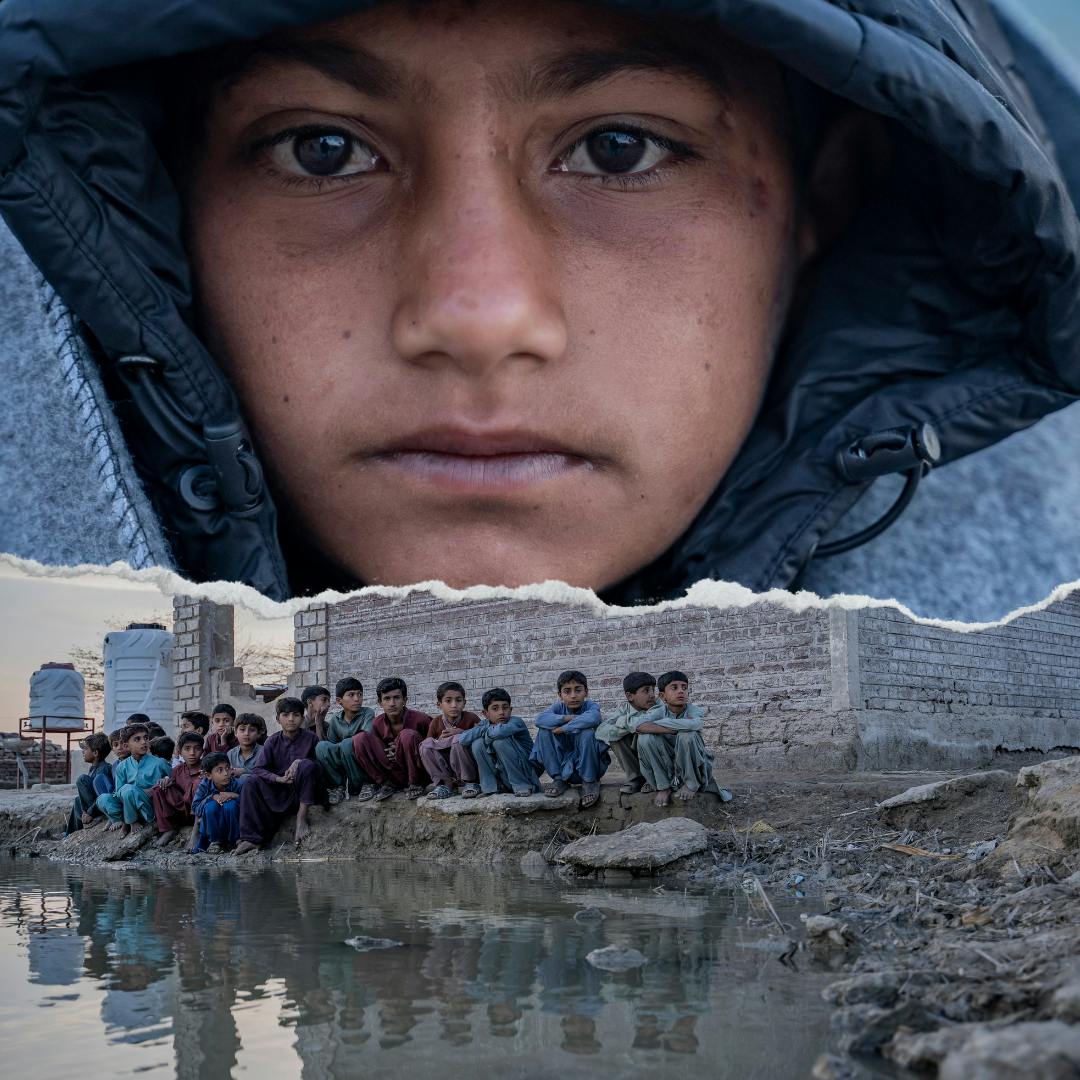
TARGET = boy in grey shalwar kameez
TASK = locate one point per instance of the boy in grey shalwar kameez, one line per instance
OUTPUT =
(670, 745)
(620, 733)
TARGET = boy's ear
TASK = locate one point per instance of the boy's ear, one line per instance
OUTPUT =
(854, 156)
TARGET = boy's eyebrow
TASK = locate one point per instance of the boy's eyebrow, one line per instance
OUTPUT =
(349, 64)
(571, 72)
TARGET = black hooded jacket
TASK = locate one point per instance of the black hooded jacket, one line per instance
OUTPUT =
(946, 319)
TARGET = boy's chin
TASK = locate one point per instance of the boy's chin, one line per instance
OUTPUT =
(509, 568)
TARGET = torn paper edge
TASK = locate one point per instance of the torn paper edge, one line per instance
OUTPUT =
(705, 593)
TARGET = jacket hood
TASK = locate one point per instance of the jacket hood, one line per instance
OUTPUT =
(946, 319)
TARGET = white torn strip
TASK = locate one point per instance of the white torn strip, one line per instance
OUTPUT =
(712, 594)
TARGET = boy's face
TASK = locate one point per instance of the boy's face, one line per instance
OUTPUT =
(642, 698)
(247, 735)
(676, 693)
(494, 234)
(350, 701)
(222, 722)
(120, 749)
(220, 776)
(321, 703)
(573, 694)
(452, 705)
(190, 753)
(186, 725)
(138, 744)
(393, 703)
(89, 755)
(290, 722)
(498, 712)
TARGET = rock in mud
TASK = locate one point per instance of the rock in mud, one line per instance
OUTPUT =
(504, 805)
(823, 931)
(616, 958)
(647, 846)
(1047, 827)
(963, 802)
(533, 864)
(1048, 1050)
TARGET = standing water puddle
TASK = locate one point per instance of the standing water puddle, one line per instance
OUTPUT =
(450, 973)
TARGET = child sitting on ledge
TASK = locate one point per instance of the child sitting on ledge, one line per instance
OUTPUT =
(501, 746)
(446, 761)
(172, 796)
(133, 777)
(96, 781)
(216, 805)
(286, 781)
(222, 738)
(247, 753)
(566, 744)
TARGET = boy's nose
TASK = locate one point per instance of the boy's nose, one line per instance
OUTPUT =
(477, 290)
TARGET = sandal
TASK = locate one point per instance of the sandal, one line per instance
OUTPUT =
(384, 793)
(560, 787)
(523, 792)
(214, 849)
(590, 795)
(413, 791)
(632, 787)
(441, 791)
(470, 791)
(367, 793)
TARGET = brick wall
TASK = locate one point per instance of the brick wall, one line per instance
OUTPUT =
(203, 644)
(309, 639)
(1032, 664)
(783, 689)
(763, 672)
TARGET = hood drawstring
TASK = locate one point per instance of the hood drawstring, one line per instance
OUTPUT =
(912, 451)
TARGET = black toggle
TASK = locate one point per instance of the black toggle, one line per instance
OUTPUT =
(239, 476)
(886, 452)
(914, 452)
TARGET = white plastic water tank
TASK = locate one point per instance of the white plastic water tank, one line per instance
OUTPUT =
(57, 692)
(138, 674)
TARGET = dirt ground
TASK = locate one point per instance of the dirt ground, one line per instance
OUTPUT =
(948, 907)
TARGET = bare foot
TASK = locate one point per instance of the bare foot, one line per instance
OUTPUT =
(113, 826)
(244, 847)
(165, 838)
(685, 794)
(125, 829)
(303, 829)
(663, 797)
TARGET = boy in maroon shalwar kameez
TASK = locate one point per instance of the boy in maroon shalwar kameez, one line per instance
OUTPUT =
(286, 780)
(172, 795)
(222, 737)
(448, 763)
(390, 752)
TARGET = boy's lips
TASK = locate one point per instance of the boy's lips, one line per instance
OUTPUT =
(474, 461)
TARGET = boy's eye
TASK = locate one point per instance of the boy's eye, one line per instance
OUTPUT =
(613, 152)
(322, 153)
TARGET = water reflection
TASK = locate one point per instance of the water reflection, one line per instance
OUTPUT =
(249, 971)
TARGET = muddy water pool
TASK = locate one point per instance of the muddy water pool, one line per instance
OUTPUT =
(389, 969)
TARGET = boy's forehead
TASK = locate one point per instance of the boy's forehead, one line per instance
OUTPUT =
(401, 50)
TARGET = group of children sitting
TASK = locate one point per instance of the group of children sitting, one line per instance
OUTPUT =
(234, 786)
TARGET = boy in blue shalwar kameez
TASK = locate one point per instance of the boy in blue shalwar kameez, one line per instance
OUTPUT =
(130, 804)
(566, 744)
(501, 746)
(216, 806)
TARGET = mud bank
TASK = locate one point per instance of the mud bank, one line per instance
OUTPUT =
(482, 831)
(947, 906)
